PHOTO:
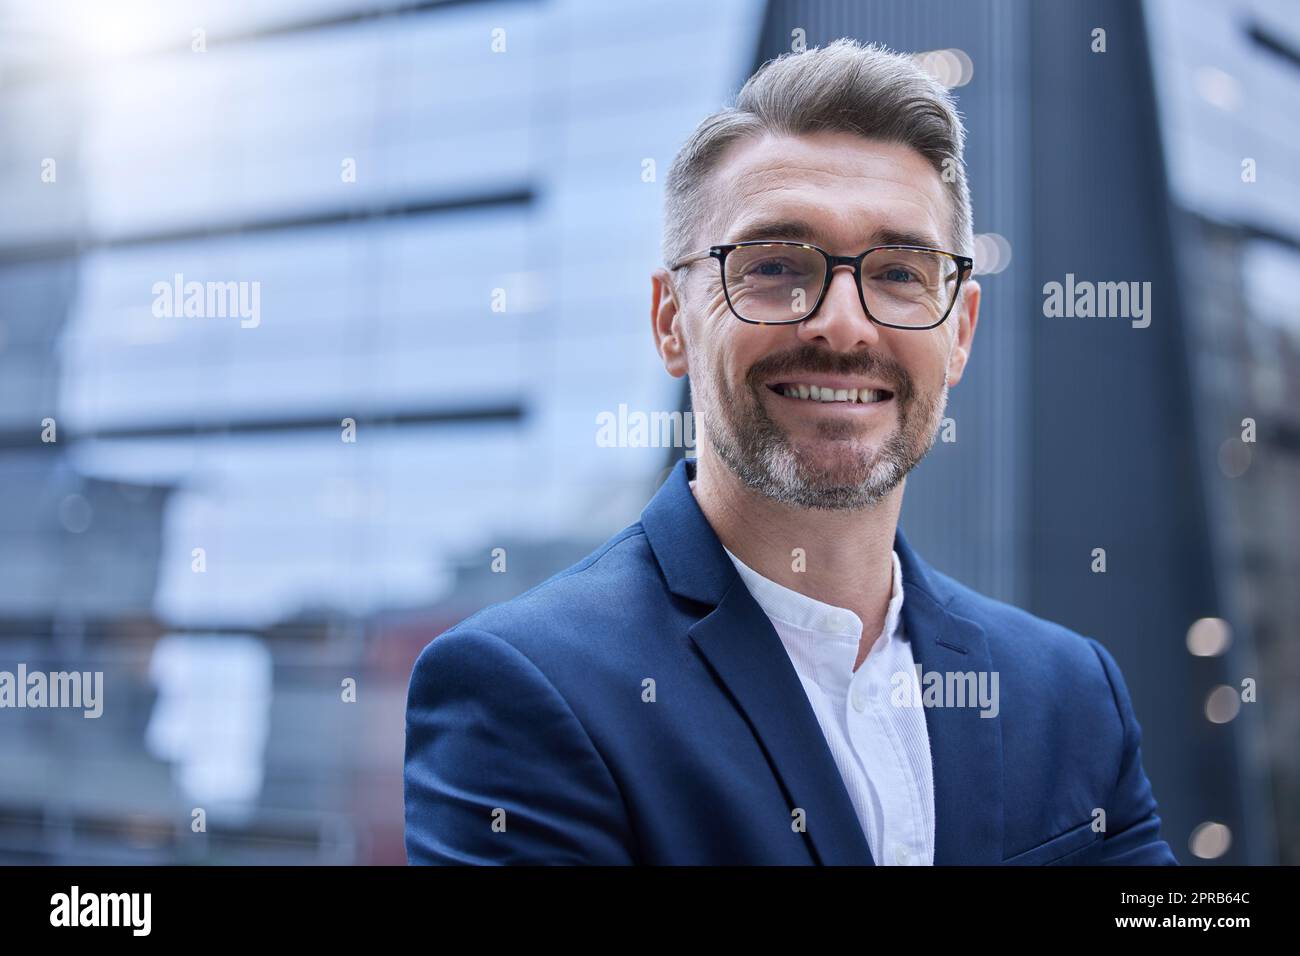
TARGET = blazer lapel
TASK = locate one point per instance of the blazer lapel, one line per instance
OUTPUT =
(747, 655)
(965, 748)
(748, 658)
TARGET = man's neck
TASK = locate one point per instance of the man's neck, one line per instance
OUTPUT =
(846, 554)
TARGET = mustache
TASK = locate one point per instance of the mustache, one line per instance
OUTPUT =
(812, 359)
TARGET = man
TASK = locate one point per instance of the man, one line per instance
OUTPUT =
(761, 670)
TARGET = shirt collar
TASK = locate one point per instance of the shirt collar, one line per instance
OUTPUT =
(798, 610)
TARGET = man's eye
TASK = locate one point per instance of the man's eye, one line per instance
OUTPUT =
(899, 274)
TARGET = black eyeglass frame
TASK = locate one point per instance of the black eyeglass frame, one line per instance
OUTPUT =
(965, 266)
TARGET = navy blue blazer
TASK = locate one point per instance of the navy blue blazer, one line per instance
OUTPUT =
(531, 737)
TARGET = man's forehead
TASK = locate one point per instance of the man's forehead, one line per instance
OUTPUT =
(835, 228)
(826, 153)
(818, 186)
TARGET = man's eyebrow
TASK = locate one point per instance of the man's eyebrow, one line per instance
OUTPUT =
(795, 229)
(901, 237)
(801, 231)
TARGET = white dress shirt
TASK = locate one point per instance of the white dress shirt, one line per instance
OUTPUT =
(882, 749)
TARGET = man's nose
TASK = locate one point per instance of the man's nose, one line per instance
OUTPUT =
(840, 321)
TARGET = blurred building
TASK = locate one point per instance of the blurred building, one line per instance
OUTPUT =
(444, 214)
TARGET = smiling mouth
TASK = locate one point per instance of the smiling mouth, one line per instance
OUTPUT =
(846, 396)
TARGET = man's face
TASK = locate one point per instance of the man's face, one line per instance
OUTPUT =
(852, 193)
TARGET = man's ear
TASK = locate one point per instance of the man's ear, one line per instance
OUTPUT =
(666, 320)
(966, 312)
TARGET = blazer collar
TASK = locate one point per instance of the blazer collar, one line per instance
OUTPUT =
(745, 651)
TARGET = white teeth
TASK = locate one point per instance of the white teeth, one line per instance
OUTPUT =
(817, 393)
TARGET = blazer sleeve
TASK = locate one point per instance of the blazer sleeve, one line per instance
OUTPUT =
(1132, 822)
(498, 769)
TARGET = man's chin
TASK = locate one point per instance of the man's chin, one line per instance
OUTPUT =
(833, 463)
(838, 471)
(830, 496)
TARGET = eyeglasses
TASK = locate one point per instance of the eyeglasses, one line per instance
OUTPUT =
(779, 283)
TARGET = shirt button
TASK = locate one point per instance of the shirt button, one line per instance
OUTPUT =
(901, 855)
(859, 702)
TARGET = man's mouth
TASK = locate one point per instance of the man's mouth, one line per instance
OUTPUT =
(823, 393)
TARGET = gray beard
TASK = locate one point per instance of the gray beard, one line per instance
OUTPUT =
(759, 453)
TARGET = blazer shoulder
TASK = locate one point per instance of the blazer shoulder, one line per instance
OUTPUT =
(599, 593)
(1051, 653)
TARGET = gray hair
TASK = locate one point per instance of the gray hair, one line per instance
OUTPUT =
(844, 86)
